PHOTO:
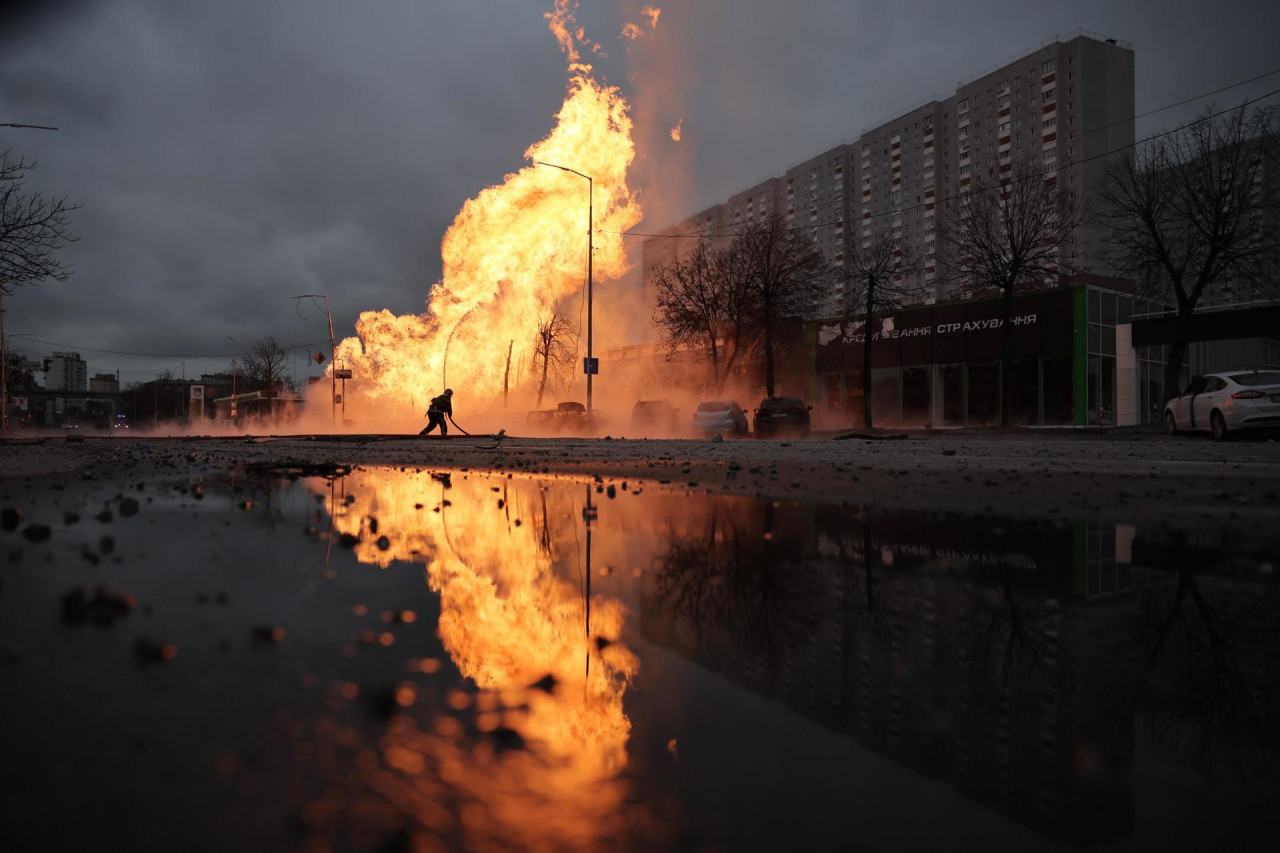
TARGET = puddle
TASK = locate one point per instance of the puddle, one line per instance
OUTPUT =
(472, 660)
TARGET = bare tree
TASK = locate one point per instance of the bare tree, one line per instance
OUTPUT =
(1185, 213)
(882, 275)
(32, 229)
(1006, 234)
(265, 363)
(705, 300)
(552, 352)
(787, 275)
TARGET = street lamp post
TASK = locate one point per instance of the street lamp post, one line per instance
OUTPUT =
(333, 353)
(235, 350)
(589, 366)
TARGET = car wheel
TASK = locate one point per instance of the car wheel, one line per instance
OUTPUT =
(1218, 424)
(1170, 425)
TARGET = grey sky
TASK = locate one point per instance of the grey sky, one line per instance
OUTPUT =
(229, 155)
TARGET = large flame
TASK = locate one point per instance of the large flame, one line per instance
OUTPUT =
(513, 253)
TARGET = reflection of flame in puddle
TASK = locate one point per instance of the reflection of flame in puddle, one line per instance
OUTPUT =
(507, 620)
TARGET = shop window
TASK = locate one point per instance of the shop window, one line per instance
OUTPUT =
(1026, 392)
(1059, 391)
(886, 410)
(915, 396)
(984, 393)
(951, 380)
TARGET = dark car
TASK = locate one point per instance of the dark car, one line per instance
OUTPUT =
(720, 416)
(781, 415)
(567, 417)
(655, 415)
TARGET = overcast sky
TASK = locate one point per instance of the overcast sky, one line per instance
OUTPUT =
(232, 154)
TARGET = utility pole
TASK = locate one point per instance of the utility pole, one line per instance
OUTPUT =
(235, 350)
(4, 372)
(4, 349)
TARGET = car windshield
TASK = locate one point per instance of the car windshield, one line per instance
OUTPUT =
(715, 406)
(782, 403)
(1253, 379)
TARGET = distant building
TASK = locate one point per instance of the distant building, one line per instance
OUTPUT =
(66, 371)
(104, 383)
(1066, 104)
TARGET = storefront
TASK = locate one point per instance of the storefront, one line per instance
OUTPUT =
(939, 365)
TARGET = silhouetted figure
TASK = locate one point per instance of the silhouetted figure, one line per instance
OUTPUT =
(437, 410)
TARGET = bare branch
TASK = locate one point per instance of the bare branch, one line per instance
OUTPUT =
(33, 229)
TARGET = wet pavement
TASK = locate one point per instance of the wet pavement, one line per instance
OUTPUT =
(320, 657)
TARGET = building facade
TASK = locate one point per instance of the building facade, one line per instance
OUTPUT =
(1066, 104)
(66, 371)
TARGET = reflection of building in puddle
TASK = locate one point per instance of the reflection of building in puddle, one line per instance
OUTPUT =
(504, 557)
(945, 645)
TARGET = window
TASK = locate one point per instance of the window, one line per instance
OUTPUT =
(1004, 127)
(1050, 155)
(1052, 121)
(1048, 95)
(1049, 66)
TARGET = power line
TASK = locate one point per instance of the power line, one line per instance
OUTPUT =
(707, 231)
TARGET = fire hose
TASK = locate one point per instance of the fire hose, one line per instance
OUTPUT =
(455, 425)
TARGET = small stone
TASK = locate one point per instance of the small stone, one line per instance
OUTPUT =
(383, 543)
(128, 507)
(70, 517)
(37, 532)
(265, 635)
(10, 518)
(148, 651)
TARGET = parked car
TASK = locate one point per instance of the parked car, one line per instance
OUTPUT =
(723, 416)
(655, 414)
(1223, 403)
(569, 417)
(781, 415)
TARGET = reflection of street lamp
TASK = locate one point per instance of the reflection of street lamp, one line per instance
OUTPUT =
(589, 366)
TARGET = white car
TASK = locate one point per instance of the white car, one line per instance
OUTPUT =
(1225, 402)
(723, 416)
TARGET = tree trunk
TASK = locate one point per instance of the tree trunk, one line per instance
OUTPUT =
(1006, 358)
(542, 383)
(506, 375)
(716, 382)
(1177, 355)
(866, 356)
(768, 346)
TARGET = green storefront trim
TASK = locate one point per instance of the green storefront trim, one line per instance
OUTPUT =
(1080, 353)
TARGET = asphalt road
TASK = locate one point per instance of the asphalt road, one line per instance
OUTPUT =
(1114, 476)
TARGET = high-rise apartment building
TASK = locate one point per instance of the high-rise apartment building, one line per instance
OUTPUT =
(1066, 106)
(67, 371)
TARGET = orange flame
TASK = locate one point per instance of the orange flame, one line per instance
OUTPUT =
(512, 254)
(509, 616)
(631, 32)
(675, 131)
